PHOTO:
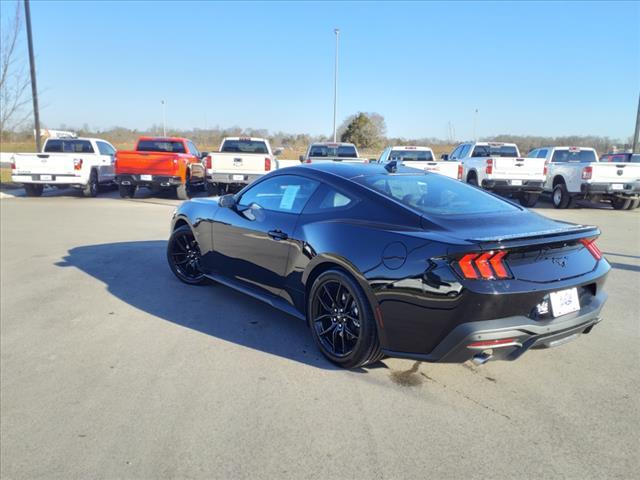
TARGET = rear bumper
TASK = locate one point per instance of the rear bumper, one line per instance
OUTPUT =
(64, 179)
(526, 332)
(155, 180)
(233, 178)
(627, 189)
(533, 186)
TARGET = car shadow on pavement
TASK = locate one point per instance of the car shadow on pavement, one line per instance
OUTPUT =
(137, 273)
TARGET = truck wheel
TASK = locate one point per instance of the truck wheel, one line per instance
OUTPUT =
(127, 191)
(561, 197)
(528, 199)
(633, 204)
(472, 179)
(210, 188)
(620, 203)
(33, 189)
(91, 188)
(183, 191)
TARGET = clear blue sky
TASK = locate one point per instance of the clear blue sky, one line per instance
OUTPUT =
(529, 68)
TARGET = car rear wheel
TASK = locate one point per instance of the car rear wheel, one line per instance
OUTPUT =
(33, 189)
(127, 191)
(342, 321)
(528, 199)
(561, 197)
(620, 203)
(634, 204)
(472, 179)
(183, 255)
(91, 188)
(183, 191)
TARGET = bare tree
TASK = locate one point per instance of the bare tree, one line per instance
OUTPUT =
(14, 79)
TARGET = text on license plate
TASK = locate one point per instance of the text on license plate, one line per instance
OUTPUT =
(616, 186)
(237, 177)
(45, 177)
(564, 301)
(146, 177)
(516, 182)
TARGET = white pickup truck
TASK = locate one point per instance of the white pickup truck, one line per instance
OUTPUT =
(498, 167)
(575, 173)
(332, 152)
(240, 161)
(84, 163)
(421, 158)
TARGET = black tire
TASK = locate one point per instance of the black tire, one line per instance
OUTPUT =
(561, 198)
(33, 189)
(472, 179)
(341, 320)
(183, 255)
(620, 203)
(635, 204)
(127, 191)
(211, 188)
(528, 199)
(91, 188)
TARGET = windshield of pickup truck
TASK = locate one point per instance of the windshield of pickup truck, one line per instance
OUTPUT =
(411, 155)
(244, 146)
(578, 156)
(340, 151)
(68, 146)
(495, 151)
(160, 146)
(435, 194)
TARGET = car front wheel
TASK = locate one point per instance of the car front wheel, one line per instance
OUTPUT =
(342, 321)
(183, 255)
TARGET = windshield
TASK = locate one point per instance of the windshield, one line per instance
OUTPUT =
(411, 155)
(568, 155)
(160, 146)
(635, 158)
(495, 151)
(68, 146)
(436, 194)
(340, 151)
(244, 146)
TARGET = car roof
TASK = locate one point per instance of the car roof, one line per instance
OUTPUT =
(165, 139)
(333, 144)
(409, 147)
(349, 170)
(251, 139)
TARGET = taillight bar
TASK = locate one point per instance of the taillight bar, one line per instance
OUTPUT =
(590, 244)
(587, 173)
(489, 168)
(486, 265)
(267, 164)
(503, 342)
(77, 164)
(208, 162)
(460, 170)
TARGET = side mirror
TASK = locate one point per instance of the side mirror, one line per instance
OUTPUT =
(301, 158)
(227, 201)
(444, 156)
(204, 154)
(278, 151)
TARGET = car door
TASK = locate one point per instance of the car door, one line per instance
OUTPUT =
(252, 240)
(106, 167)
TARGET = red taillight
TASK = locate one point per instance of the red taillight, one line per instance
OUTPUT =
(308, 160)
(545, 170)
(489, 168)
(590, 244)
(488, 265)
(503, 342)
(267, 164)
(13, 163)
(460, 171)
(587, 172)
(77, 163)
(208, 162)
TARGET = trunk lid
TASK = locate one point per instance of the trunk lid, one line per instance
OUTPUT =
(614, 172)
(242, 163)
(517, 168)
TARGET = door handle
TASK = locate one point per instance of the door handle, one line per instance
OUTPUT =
(277, 234)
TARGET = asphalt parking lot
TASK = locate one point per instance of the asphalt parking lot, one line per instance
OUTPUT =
(111, 368)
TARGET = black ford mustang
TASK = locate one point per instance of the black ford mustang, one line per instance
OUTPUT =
(395, 261)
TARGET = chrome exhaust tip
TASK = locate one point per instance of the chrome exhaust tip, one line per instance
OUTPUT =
(481, 358)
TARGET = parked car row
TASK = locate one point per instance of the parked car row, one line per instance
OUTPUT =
(566, 173)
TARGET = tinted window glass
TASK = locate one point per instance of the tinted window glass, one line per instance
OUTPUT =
(244, 146)
(542, 153)
(436, 194)
(105, 148)
(568, 155)
(193, 150)
(635, 158)
(284, 193)
(411, 155)
(464, 150)
(68, 146)
(495, 151)
(455, 153)
(160, 146)
(340, 151)
(328, 199)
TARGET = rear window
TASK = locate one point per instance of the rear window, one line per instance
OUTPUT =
(436, 194)
(244, 146)
(68, 146)
(495, 151)
(340, 151)
(574, 156)
(411, 155)
(635, 158)
(160, 146)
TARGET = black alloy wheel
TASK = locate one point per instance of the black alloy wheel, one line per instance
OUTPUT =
(183, 255)
(342, 322)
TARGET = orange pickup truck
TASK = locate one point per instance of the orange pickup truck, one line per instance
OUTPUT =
(159, 163)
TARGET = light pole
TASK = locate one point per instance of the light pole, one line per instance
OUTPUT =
(636, 134)
(475, 125)
(335, 85)
(164, 119)
(32, 67)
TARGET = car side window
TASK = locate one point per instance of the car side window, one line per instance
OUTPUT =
(455, 153)
(464, 151)
(542, 153)
(384, 155)
(104, 149)
(327, 199)
(193, 149)
(283, 193)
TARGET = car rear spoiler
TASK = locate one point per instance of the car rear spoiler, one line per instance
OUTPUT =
(564, 234)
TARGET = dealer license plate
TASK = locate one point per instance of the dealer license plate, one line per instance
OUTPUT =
(564, 301)
(238, 177)
(147, 178)
(616, 186)
(516, 182)
(46, 177)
